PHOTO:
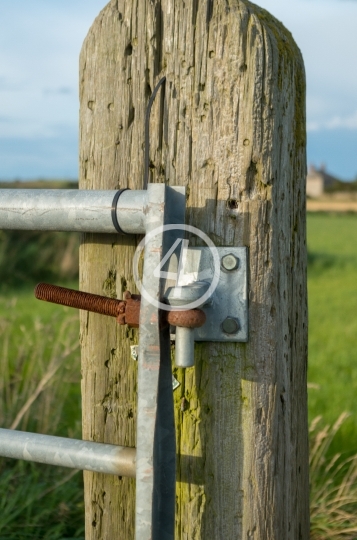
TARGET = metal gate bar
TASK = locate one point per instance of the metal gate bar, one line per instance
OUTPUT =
(156, 453)
(72, 210)
(72, 453)
(153, 463)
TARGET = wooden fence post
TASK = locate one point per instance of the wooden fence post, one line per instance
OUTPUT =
(232, 129)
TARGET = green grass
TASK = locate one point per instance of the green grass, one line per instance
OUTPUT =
(332, 287)
(39, 392)
(39, 348)
(40, 502)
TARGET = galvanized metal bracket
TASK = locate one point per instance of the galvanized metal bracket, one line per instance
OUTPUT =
(229, 302)
(227, 308)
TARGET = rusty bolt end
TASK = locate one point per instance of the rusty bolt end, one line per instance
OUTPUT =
(40, 291)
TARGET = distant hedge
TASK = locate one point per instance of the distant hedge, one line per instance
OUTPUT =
(39, 184)
(30, 256)
(342, 187)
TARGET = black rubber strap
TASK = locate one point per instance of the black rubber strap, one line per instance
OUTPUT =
(114, 211)
(147, 130)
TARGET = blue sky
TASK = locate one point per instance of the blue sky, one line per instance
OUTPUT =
(40, 42)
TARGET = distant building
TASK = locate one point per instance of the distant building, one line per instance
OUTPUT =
(317, 181)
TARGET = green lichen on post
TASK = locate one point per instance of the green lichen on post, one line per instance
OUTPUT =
(300, 116)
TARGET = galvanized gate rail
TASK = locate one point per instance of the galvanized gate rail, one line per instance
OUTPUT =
(213, 277)
(129, 212)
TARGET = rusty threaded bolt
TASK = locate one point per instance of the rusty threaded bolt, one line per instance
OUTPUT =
(79, 300)
(126, 311)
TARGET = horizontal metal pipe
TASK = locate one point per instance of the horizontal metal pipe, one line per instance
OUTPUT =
(72, 453)
(71, 210)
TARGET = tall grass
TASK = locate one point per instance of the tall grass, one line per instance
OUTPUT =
(39, 502)
(333, 481)
(39, 392)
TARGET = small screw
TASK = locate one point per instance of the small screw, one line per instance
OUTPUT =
(230, 325)
(184, 404)
(230, 262)
(175, 383)
(134, 352)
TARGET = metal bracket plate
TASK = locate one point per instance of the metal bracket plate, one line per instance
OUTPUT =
(228, 307)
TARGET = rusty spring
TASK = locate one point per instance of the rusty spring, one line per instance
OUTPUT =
(79, 300)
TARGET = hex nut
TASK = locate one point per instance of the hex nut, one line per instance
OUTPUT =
(230, 325)
(230, 262)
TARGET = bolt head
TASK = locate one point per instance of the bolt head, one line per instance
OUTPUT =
(230, 262)
(230, 325)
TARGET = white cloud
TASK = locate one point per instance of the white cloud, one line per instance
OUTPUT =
(336, 122)
(349, 122)
(40, 43)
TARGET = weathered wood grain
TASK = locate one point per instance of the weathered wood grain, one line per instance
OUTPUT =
(232, 129)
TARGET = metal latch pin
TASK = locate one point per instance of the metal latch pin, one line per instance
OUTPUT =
(180, 296)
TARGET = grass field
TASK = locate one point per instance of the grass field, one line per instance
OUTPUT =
(40, 392)
(332, 286)
(40, 354)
